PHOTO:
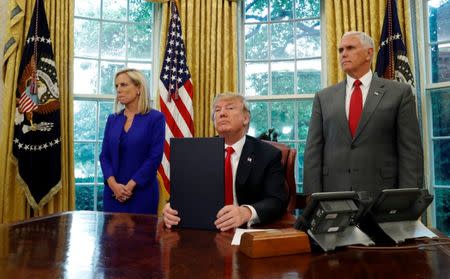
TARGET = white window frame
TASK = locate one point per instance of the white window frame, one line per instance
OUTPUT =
(286, 97)
(423, 65)
(99, 97)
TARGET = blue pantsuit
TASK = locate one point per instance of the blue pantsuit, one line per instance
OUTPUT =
(135, 154)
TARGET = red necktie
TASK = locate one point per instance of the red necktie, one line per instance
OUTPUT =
(356, 106)
(228, 176)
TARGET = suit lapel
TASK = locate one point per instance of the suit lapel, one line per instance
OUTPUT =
(374, 96)
(339, 106)
(245, 162)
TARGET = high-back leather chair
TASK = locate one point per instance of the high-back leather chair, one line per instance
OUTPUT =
(288, 156)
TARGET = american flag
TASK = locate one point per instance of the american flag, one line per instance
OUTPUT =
(392, 61)
(26, 102)
(175, 89)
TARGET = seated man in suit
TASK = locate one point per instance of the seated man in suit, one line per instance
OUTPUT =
(255, 192)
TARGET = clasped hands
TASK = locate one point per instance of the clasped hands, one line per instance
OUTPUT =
(122, 192)
(228, 217)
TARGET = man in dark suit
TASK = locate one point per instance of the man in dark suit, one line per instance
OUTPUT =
(364, 143)
(258, 192)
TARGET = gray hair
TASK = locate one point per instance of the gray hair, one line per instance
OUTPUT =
(230, 96)
(365, 39)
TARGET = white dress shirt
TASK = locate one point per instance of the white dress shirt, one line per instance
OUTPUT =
(365, 84)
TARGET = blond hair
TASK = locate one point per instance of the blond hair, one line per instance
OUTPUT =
(230, 96)
(139, 80)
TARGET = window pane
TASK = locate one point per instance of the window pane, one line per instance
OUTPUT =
(113, 41)
(290, 39)
(100, 197)
(87, 8)
(300, 158)
(256, 41)
(307, 8)
(283, 78)
(442, 209)
(440, 106)
(99, 167)
(108, 70)
(115, 9)
(440, 62)
(84, 162)
(256, 10)
(259, 118)
(86, 35)
(139, 42)
(441, 162)
(106, 108)
(439, 23)
(85, 76)
(304, 116)
(308, 75)
(85, 116)
(103, 45)
(84, 197)
(146, 69)
(308, 38)
(281, 9)
(282, 40)
(140, 11)
(256, 79)
(283, 120)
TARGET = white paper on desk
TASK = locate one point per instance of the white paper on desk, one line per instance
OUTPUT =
(238, 233)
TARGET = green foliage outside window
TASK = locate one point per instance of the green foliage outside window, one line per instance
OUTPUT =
(282, 53)
(439, 50)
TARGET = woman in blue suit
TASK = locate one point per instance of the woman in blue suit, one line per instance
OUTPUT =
(132, 148)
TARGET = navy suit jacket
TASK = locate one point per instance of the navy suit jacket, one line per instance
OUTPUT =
(260, 180)
(386, 151)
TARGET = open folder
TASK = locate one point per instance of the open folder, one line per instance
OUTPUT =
(197, 180)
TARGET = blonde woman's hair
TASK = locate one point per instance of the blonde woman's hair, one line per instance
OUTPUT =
(139, 80)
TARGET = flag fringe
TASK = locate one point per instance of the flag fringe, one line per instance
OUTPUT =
(24, 186)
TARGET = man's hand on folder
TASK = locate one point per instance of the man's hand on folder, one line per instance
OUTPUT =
(229, 217)
(170, 216)
(232, 216)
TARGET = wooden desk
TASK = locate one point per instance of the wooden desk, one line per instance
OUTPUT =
(98, 245)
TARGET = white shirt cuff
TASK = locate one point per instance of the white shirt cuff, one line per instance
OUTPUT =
(254, 219)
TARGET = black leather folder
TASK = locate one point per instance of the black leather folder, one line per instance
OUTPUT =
(197, 180)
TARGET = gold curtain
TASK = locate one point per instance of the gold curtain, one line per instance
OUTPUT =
(360, 15)
(210, 37)
(13, 205)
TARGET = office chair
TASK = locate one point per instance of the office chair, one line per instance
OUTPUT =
(288, 155)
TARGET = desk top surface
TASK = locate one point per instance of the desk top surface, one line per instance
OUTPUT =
(102, 245)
